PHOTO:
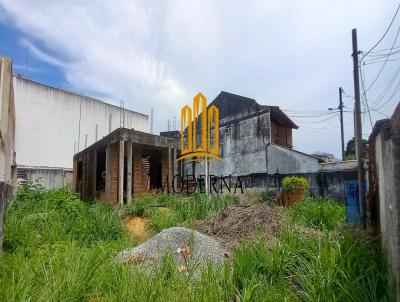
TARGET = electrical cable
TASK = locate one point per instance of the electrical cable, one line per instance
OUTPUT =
(384, 63)
(365, 95)
(383, 36)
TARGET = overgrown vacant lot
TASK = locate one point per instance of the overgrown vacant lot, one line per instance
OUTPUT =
(58, 248)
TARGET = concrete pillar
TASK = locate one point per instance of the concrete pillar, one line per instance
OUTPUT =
(194, 166)
(206, 165)
(108, 172)
(121, 173)
(129, 171)
(174, 162)
(94, 173)
(170, 170)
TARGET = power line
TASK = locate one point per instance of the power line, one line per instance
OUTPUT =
(377, 62)
(383, 36)
(386, 89)
(306, 111)
(384, 63)
(310, 115)
(320, 121)
(391, 97)
(376, 52)
(365, 95)
(382, 55)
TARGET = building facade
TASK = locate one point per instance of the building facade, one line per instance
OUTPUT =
(254, 139)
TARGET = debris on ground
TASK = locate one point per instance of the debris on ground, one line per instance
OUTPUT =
(191, 249)
(138, 227)
(232, 225)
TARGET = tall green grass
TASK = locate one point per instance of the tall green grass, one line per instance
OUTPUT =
(41, 217)
(320, 213)
(61, 249)
(312, 268)
(178, 209)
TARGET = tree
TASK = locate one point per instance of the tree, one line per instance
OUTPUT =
(350, 152)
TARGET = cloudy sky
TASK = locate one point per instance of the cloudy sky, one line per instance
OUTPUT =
(293, 54)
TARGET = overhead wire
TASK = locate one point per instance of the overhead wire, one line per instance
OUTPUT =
(320, 121)
(385, 33)
(365, 95)
(384, 63)
(379, 56)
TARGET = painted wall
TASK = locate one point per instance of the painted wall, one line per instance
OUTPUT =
(51, 121)
(7, 135)
(242, 146)
(387, 161)
(48, 177)
(7, 121)
(288, 161)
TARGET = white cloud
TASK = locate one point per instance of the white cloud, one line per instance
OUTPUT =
(42, 55)
(293, 54)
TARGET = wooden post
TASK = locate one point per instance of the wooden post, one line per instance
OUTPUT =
(129, 171)
(121, 173)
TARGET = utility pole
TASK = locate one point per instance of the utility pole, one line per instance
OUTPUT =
(358, 130)
(341, 121)
(340, 107)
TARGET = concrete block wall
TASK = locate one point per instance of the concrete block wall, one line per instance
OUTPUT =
(48, 177)
(140, 178)
(385, 142)
(114, 173)
(164, 167)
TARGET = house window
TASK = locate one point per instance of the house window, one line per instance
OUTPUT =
(228, 131)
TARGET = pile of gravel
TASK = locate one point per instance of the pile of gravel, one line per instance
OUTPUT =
(174, 240)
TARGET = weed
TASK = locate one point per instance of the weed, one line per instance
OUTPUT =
(323, 214)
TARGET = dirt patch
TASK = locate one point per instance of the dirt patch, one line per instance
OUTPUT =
(137, 226)
(234, 224)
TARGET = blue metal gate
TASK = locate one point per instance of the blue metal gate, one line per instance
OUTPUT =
(351, 201)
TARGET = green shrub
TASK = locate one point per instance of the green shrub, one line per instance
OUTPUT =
(294, 182)
(323, 214)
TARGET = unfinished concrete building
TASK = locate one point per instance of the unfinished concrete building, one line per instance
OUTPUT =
(124, 164)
